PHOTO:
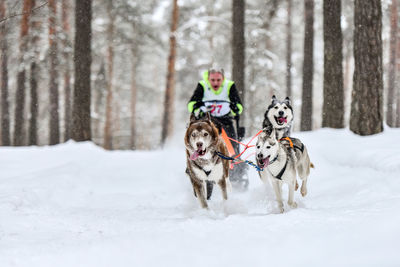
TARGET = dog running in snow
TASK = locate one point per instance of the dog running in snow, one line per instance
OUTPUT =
(278, 116)
(204, 166)
(280, 167)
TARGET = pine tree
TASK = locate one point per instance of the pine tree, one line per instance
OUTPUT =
(5, 112)
(333, 107)
(308, 67)
(366, 106)
(19, 125)
(391, 99)
(238, 46)
(34, 78)
(54, 133)
(168, 115)
(82, 63)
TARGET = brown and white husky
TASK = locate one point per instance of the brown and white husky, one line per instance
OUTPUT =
(204, 166)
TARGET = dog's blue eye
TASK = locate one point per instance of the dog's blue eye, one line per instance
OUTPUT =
(193, 134)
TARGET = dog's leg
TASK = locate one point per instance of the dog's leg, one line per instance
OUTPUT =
(200, 193)
(209, 186)
(303, 170)
(291, 194)
(278, 192)
(303, 189)
(222, 184)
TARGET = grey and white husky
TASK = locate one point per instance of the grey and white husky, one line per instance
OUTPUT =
(278, 116)
(280, 167)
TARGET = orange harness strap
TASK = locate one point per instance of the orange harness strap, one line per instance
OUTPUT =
(288, 139)
(230, 147)
(228, 144)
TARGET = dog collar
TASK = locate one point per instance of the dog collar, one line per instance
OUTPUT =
(272, 161)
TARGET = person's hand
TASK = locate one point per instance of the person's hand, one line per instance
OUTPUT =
(198, 105)
(234, 107)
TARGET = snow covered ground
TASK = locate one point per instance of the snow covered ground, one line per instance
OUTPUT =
(78, 205)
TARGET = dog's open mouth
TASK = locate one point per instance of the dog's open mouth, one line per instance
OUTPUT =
(262, 163)
(198, 153)
(281, 120)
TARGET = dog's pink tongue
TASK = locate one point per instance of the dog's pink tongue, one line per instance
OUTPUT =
(283, 120)
(194, 156)
(266, 161)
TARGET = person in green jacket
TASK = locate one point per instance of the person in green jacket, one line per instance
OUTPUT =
(220, 97)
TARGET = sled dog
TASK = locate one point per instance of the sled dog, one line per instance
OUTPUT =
(280, 167)
(204, 166)
(279, 116)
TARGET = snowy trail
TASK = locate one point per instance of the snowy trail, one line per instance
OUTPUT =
(78, 205)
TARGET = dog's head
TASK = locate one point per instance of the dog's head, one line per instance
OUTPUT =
(280, 113)
(200, 136)
(266, 148)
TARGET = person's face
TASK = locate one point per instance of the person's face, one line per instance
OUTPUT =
(215, 80)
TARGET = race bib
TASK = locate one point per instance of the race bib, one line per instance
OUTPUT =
(216, 109)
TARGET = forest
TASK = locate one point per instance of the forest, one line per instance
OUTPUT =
(120, 73)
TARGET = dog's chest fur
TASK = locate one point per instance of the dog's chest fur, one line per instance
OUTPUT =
(275, 168)
(208, 168)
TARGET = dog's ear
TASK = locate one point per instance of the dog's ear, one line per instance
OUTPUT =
(287, 101)
(208, 117)
(274, 100)
(192, 118)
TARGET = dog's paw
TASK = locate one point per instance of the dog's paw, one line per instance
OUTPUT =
(303, 191)
(293, 205)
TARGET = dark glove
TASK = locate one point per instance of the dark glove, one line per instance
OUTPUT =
(198, 105)
(234, 107)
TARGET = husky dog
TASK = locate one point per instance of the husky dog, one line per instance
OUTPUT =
(204, 166)
(279, 116)
(274, 157)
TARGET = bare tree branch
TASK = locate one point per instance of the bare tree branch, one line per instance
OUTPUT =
(21, 14)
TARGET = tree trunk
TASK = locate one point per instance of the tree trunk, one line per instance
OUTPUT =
(333, 107)
(5, 112)
(133, 102)
(238, 46)
(168, 117)
(33, 140)
(34, 103)
(82, 63)
(110, 58)
(54, 135)
(100, 88)
(19, 131)
(391, 97)
(289, 49)
(398, 79)
(308, 67)
(366, 106)
(67, 73)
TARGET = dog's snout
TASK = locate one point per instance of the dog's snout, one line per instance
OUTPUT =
(260, 156)
(281, 113)
(199, 144)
